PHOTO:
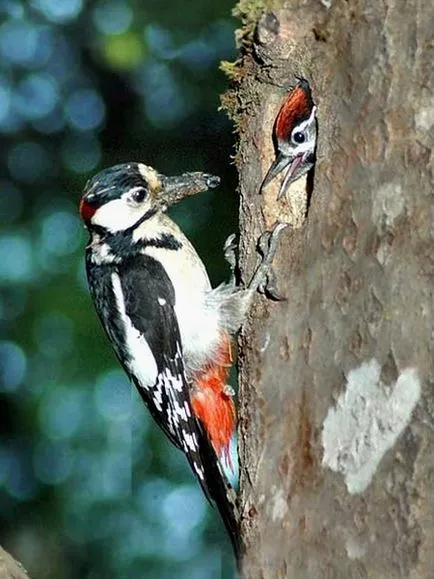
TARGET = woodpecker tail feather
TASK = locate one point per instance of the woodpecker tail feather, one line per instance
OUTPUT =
(213, 406)
(223, 495)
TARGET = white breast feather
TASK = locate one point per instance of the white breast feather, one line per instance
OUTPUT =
(198, 322)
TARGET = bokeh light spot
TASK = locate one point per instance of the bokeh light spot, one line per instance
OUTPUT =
(113, 396)
(81, 153)
(59, 11)
(85, 110)
(150, 498)
(36, 96)
(165, 103)
(53, 122)
(184, 508)
(124, 51)
(61, 233)
(5, 99)
(60, 412)
(12, 8)
(198, 54)
(16, 258)
(63, 65)
(160, 41)
(113, 17)
(29, 162)
(53, 462)
(114, 475)
(54, 333)
(19, 482)
(13, 365)
(19, 42)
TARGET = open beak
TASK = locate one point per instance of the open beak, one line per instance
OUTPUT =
(280, 163)
(289, 177)
(175, 189)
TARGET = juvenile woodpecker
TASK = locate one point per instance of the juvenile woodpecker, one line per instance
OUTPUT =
(169, 329)
(294, 135)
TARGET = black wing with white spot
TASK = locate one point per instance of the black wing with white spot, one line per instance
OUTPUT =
(135, 301)
(147, 302)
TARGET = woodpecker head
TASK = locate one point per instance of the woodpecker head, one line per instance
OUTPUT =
(294, 134)
(123, 196)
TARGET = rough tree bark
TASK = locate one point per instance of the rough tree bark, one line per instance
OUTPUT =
(336, 383)
(10, 568)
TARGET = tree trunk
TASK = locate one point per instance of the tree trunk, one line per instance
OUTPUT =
(10, 568)
(336, 384)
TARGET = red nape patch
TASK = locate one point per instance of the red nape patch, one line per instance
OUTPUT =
(87, 211)
(213, 404)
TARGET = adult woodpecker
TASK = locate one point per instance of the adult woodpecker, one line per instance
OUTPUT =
(294, 135)
(169, 329)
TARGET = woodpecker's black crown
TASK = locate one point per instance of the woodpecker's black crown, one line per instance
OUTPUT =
(113, 182)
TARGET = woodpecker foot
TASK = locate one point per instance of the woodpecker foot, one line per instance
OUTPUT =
(264, 278)
(229, 248)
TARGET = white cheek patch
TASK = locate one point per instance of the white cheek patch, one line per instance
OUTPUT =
(119, 214)
(309, 128)
(303, 148)
(115, 215)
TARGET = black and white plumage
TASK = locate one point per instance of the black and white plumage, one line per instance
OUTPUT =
(137, 310)
(135, 297)
(170, 330)
(155, 301)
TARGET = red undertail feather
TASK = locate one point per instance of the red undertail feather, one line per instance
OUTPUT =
(212, 401)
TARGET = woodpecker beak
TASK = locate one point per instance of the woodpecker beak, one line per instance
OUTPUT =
(175, 189)
(280, 163)
(291, 173)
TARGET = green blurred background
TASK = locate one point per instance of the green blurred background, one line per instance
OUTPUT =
(89, 487)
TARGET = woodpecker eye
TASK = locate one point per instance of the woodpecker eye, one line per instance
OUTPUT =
(139, 195)
(298, 137)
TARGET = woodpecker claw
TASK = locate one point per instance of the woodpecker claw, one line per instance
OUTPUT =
(269, 288)
(264, 279)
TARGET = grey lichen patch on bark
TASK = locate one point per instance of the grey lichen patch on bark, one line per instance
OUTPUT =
(366, 421)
